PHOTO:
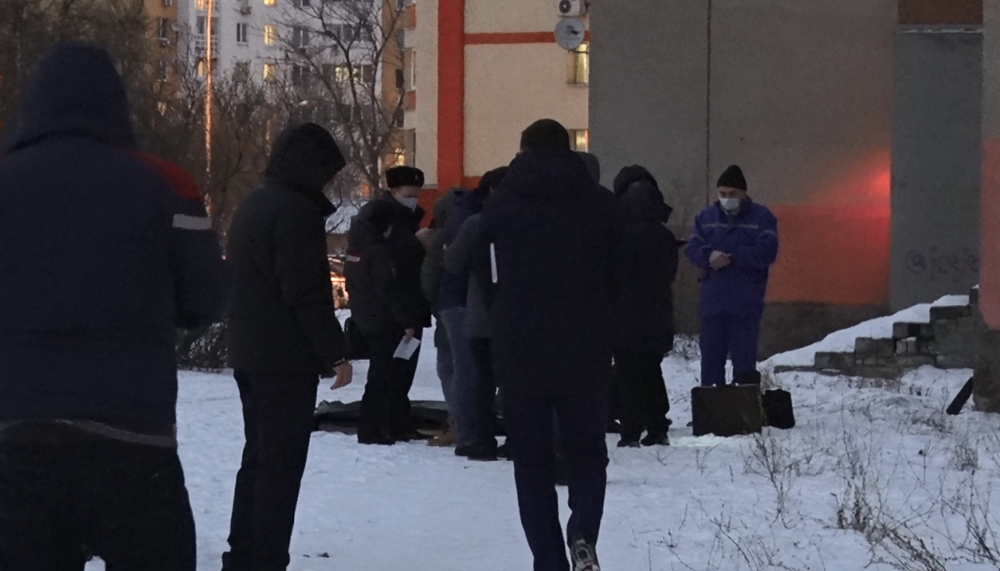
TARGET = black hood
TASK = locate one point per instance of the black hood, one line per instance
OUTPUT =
(74, 90)
(547, 175)
(645, 202)
(631, 175)
(305, 158)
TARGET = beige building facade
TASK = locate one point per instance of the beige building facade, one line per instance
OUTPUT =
(477, 72)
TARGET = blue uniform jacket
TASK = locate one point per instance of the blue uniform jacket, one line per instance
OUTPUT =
(751, 238)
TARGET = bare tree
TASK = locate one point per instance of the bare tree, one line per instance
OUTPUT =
(339, 52)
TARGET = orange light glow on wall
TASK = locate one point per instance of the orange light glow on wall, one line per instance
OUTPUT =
(835, 249)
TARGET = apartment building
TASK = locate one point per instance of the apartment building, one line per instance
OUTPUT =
(476, 73)
(267, 38)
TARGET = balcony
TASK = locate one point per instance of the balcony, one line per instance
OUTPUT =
(200, 46)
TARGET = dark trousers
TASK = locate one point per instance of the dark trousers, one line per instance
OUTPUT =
(723, 336)
(486, 390)
(642, 394)
(582, 425)
(385, 406)
(124, 503)
(278, 423)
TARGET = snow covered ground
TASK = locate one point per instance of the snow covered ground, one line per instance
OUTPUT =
(881, 328)
(880, 461)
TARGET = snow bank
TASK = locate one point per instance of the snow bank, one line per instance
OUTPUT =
(881, 328)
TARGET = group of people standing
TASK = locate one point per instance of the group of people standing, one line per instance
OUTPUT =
(544, 284)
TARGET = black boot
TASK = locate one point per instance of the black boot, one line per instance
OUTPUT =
(656, 439)
(748, 379)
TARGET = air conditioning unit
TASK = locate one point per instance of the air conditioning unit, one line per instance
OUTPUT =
(246, 9)
(572, 8)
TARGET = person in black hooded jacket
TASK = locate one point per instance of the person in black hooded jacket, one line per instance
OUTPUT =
(105, 252)
(553, 234)
(383, 272)
(283, 336)
(643, 327)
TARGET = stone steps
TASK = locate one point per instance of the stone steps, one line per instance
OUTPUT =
(947, 342)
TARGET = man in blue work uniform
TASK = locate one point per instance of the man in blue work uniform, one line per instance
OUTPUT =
(735, 242)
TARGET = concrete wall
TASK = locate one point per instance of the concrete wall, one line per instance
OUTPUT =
(801, 97)
(987, 385)
(936, 180)
(504, 96)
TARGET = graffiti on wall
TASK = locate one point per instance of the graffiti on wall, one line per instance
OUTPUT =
(940, 265)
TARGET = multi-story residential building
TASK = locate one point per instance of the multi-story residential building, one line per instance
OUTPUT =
(477, 73)
(163, 16)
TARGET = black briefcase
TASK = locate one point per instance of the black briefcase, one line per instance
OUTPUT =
(357, 345)
(778, 411)
(730, 410)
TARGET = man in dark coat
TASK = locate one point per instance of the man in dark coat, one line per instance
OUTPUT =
(383, 272)
(644, 312)
(431, 276)
(735, 242)
(284, 335)
(105, 251)
(554, 232)
(463, 294)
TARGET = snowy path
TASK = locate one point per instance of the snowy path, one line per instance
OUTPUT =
(700, 504)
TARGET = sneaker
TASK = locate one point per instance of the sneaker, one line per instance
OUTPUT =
(656, 440)
(628, 443)
(584, 556)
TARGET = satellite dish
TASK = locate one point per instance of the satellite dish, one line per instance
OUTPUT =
(570, 33)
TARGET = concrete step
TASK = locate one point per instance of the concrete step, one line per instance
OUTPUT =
(922, 331)
(951, 313)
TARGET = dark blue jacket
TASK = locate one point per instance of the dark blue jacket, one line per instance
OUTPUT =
(751, 238)
(554, 231)
(104, 252)
(647, 267)
(455, 287)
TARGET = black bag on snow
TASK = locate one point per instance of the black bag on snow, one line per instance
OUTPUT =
(778, 411)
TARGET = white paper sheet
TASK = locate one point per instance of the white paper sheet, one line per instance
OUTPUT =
(406, 349)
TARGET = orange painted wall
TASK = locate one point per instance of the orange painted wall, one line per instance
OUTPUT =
(835, 248)
(989, 271)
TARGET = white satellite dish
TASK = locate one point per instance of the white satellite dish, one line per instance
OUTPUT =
(570, 33)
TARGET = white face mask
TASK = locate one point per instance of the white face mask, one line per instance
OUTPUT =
(410, 202)
(730, 204)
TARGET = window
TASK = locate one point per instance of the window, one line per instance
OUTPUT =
(365, 35)
(201, 4)
(168, 2)
(303, 3)
(300, 37)
(164, 71)
(300, 75)
(270, 34)
(242, 33)
(241, 71)
(343, 73)
(202, 22)
(579, 139)
(400, 79)
(270, 72)
(270, 2)
(202, 69)
(367, 73)
(579, 65)
(163, 29)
